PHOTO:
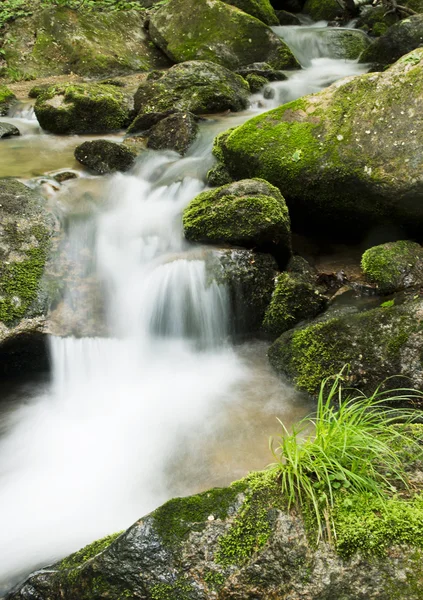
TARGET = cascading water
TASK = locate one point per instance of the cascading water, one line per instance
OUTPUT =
(94, 451)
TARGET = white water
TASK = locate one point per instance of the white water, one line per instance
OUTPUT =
(91, 454)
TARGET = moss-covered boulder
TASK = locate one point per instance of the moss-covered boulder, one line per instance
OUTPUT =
(287, 18)
(376, 20)
(58, 41)
(249, 213)
(343, 43)
(104, 156)
(262, 70)
(218, 32)
(83, 108)
(324, 10)
(241, 542)
(176, 132)
(198, 87)
(386, 341)
(218, 175)
(343, 162)
(400, 39)
(26, 230)
(294, 299)
(250, 277)
(7, 98)
(261, 9)
(394, 266)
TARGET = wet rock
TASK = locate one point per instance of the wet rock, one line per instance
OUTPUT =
(241, 543)
(63, 176)
(83, 108)
(24, 348)
(198, 87)
(37, 90)
(7, 99)
(176, 132)
(218, 175)
(231, 38)
(375, 21)
(262, 70)
(346, 44)
(332, 154)
(59, 40)
(287, 18)
(295, 299)
(394, 266)
(256, 82)
(386, 341)
(250, 276)
(400, 39)
(323, 10)
(7, 130)
(25, 238)
(135, 143)
(104, 156)
(249, 213)
(261, 9)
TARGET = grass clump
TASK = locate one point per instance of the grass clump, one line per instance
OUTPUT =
(351, 451)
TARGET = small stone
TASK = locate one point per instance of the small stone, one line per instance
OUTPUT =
(8, 130)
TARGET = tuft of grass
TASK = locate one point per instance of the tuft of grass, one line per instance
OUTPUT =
(348, 447)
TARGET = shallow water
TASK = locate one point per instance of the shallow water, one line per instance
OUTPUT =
(165, 404)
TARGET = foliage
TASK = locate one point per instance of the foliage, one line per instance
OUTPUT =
(351, 451)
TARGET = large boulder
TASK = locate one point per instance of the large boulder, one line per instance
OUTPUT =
(199, 87)
(26, 231)
(58, 41)
(342, 43)
(400, 39)
(218, 32)
(261, 9)
(326, 10)
(394, 266)
(7, 98)
(83, 108)
(175, 132)
(375, 20)
(104, 156)
(249, 213)
(343, 162)
(240, 543)
(383, 342)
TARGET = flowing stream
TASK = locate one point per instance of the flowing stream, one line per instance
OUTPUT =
(164, 404)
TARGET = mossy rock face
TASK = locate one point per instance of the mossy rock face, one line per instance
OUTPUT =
(256, 82)
(400, 39)
(287, 18)
(383, 342)
(58, 41)
(250, 277)
(342, 160)
(176, 132)
(261, 9)
(294, 299)
(241, 542)
(26, 231)
(7, 99)
(374, 20)
(218, 175)
(344, 43)
(218, 32)
(83, 108)
(199, 87)
(104, 156)
(323, 10)
(394, 266)
(248, 213)
(262, 70)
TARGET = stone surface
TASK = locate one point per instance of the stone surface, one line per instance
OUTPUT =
(262, 70)
(240, 543)
(199, 87)
(83, 108)
(343, 161)
(104, 156)
(287, 18)
(58, 41)
(386, 341)
(217, 32)
(176, 132)
(394, 266)
(343, 43)
(400, 39)
(8, 130)
(261, 9)
(7, 99)
(248, 213)
(375, 21)
(326, 10)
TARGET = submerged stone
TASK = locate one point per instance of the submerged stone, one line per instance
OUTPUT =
(218, 32)
(104, 156)
(82, 108)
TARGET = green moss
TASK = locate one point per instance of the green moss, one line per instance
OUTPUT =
(214, 579)
(177, 518)
(6, 98)
(389, 264)
(261, 9)
(293, 300)
(326, 10)
(180, 590)
(256, 82)
(253, 524)
(218, 176)
(79, 558)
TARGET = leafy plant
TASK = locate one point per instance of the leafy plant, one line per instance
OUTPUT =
(347, 447)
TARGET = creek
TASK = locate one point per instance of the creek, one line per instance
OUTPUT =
(163, 402)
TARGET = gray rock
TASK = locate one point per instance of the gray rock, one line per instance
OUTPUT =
(176, 132)
(104, 156)
(7, 130)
